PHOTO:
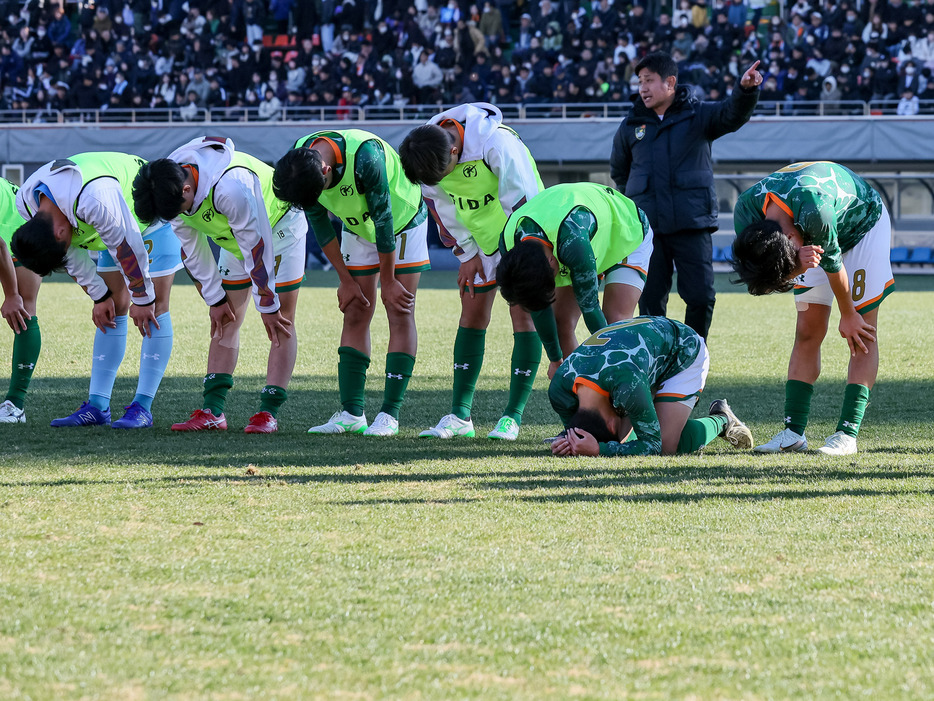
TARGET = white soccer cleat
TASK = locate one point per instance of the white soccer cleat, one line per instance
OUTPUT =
(383, 425)
(785, 441)
(506, 430)
(341, 422)
(839, 443)
(11, 414)
(450, 426)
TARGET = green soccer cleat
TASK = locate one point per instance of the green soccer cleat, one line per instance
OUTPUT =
(450, 426)
(507, 429)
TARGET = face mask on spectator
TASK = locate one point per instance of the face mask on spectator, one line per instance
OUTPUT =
(910, 70)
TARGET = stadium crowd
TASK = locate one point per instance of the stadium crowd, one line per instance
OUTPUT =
(264, 55)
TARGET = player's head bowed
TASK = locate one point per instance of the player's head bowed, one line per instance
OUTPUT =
(157, 190)
(426, 154)
(592, 422)
(764, 258)
(299, 178)
(525, 277)
(35, 246)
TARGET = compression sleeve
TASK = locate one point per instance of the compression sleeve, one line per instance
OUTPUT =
(574, 251)
(370, 175)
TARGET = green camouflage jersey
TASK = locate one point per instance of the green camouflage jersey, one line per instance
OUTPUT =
(375, 185)
(830, 205)
(627, 361)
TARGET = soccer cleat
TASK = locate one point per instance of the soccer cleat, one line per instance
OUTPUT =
(11, 414)
(262, 422)
(342, 422)
(506, 430)
(785, 441)
(202, 420)
(87, 415)
(450, 426)
(736, 433)
(136, 416)
(383, 425)
(839, 443)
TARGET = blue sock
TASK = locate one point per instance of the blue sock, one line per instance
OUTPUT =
(153, 360)
(109, 349)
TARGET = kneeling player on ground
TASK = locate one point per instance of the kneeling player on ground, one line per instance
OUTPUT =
(557, 247)
(821, 229)
(644, 375)
(206, 189)
(357, 176)
(474, 173)
(20, 288)
(83, 203)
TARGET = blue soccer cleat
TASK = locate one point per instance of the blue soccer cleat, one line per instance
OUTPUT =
(135, 417)
(87, 415)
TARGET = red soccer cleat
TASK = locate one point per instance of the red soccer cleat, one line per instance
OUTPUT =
(202, 420)
(262, 422)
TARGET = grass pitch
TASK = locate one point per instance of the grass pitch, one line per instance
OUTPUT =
(147, 565)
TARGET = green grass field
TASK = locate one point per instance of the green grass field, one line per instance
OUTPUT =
(147, 565)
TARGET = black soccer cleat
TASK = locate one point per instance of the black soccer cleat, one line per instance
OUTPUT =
(735, 432)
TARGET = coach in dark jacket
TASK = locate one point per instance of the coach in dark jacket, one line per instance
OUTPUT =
(661, 160)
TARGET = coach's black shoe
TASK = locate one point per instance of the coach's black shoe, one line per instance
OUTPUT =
(735, 432)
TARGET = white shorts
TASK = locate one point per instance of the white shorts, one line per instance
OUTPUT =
(165, 252)
(632, 269)
(868, 269)
(685, 387)
(362, 258)
(288, 246)
(489, 271)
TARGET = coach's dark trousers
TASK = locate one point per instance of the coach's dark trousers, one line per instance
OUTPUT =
(691, 252)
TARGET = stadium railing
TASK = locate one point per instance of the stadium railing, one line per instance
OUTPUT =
(605, 110)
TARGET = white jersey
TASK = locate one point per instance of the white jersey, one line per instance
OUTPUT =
(506, 156)
(101, 206)
(238, 195)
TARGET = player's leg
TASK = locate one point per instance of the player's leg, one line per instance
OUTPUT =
(26, 346)
(567, 314)
(871, 281)
(526, 358)
(354, 350)
(623, 283)
(654, 300)
(109, 349)
(693, 257)
(156, 348)
(411, 261)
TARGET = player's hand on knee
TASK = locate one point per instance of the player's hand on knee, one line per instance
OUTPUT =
(467, 273)
(221, 315)
(14, 312)
(276, 326)
(857, 332)
(143, 316)
(398, 299)
(810, 256)
(103, 315)
(348, 293)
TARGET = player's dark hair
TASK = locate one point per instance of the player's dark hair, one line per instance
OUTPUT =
(764, 258)
(298, 179)
(658, 62)
(157, 190)
(35, 246)
(525, 278)
(425, 154)
(591, 421)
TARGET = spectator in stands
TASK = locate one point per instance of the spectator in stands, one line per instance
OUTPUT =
(491, 24)
(427, 77)
(908, 105)
(270, 109)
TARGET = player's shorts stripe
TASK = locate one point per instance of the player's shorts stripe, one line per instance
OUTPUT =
(413, 264)
(485, 287)
(236, 284)
(619, 266)
(871, 304)
(404, 269)
(801, 289)
(290, 285)
(588, 383)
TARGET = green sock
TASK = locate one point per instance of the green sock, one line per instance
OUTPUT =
(216, 386)
(351, 379)
(26, 346)
(271, 398)
(700, 432)
(469, 345)
(526, 357)
(797, 405)
(855, 399)
(399, 368)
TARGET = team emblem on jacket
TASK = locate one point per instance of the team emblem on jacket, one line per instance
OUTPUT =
(347, 190)
(208, 215)
(470, 171)
(640, 132)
